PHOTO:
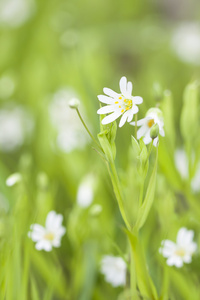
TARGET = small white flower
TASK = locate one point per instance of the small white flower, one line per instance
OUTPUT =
(153, 116)
(186, 42)
(16, 125)
(85, 192)
(14, 13)
(182, 165)
(13, 179)
(50, 235)
(122, 104)
(181, 251)
(114, 270)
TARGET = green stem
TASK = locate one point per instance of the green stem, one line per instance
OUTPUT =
(118, 193)
(133, 278)
(144, 281)
(87, 129)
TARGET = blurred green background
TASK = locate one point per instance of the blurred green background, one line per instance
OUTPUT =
(51, 51)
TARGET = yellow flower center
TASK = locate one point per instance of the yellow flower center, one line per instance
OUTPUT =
(180, 252)
(150, 123)
(49, 236)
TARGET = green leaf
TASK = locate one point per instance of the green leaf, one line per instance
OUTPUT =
(149, 197)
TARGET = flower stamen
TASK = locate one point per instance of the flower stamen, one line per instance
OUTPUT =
(49, 236)
(150, 123)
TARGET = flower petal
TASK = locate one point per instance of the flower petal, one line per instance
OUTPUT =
(43, 245)
(107, 109)
(50, 219)
(123, 119)
(110, 93)
(129, 88)
(105, 99)
(147, 139)
(137, 99)
(112, 117)
(123, 85)
(139, 122)
(142, 131)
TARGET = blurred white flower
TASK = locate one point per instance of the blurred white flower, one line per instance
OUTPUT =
(186, 42)
(122, 104)
(71, 134)
(50, 235)
(14, 13)
(13, 179)
(15, 125)
(181, 251)
(153, 116)
(85, 192)
(7, 86)
(182, 165)
(181, 162)
(114, 269)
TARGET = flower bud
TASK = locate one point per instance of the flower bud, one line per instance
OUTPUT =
(154, 132)
(74, 103)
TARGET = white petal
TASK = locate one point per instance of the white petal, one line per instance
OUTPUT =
(184, 236)
(134, 109)
(110, 93)
(175, 261)
(37, 228)
(147, 139)
(112, 117)
(129, 88)
(140, 122)
(105, 99)
(123, 85)
(187, 258)
(137, 100)
(107, 109)
(123, 118)
(156, 142)
(43, 245)
(161, 132)
(50, 219)
(142, 131)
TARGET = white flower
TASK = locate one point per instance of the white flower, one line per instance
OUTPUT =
(85, 192)
(119, 104)
(153, 116)
(13, 179)
(182, 165)
(181, 251)
(14, 13)
(186, 42)
(16, 124)
(70, 131)
(114, 270)
(50, 235)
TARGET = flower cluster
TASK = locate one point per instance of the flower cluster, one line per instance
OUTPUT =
(125, 105)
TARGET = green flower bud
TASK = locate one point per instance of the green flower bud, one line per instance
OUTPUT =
(154, 132)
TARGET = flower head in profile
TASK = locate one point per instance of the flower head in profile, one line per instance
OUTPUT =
(50, 235)
(153, 116)
(122, 104)
(181, 251)
(114, 270)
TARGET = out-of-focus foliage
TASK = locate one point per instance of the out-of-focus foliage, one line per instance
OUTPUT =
(51, 51)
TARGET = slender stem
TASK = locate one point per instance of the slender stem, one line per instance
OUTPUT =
(118, 193)
(133, 277)
(150, 148)
(87, 129)
(136, 126)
